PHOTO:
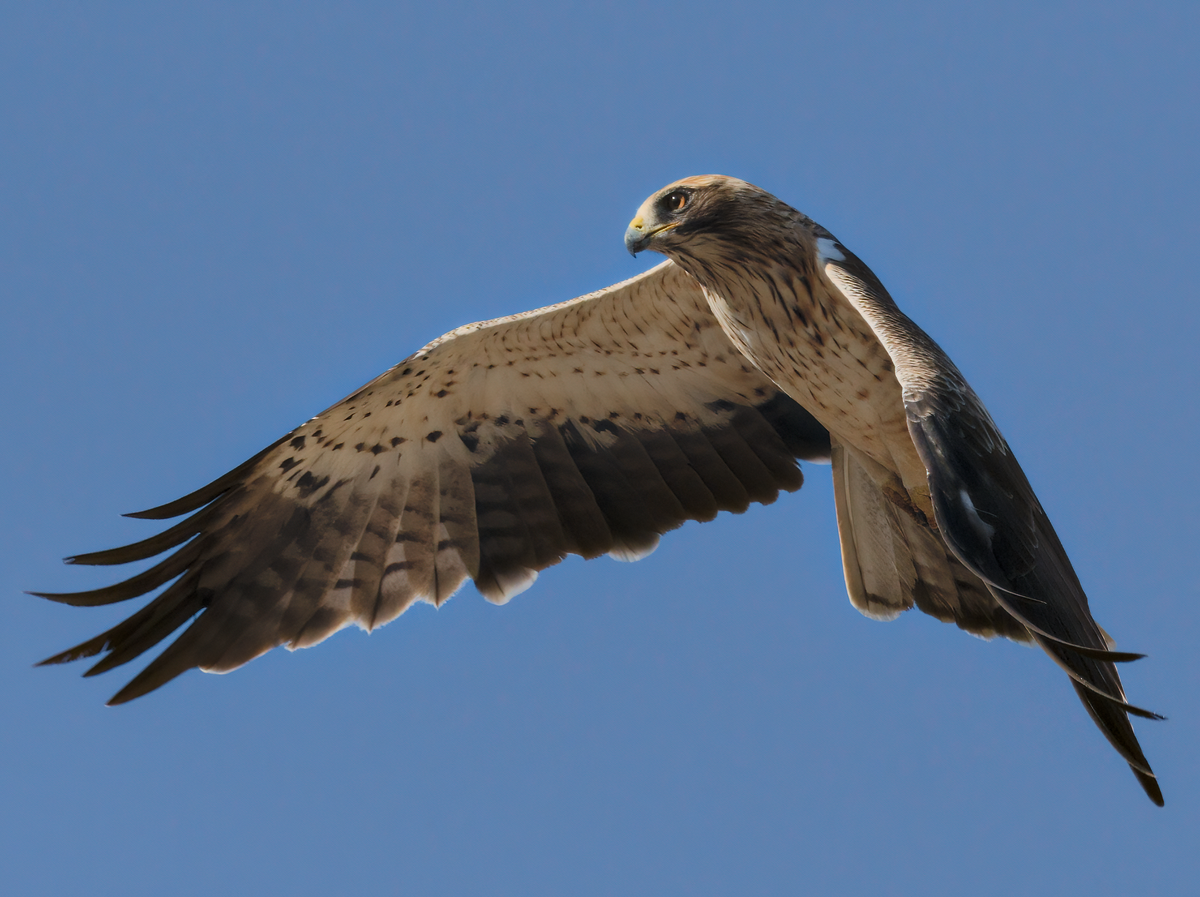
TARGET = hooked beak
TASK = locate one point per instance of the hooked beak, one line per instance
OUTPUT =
(638, 235)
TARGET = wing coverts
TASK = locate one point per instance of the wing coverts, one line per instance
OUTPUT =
(586, 428)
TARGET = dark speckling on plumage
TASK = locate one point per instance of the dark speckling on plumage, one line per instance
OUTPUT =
(868, 373)
(771, 343)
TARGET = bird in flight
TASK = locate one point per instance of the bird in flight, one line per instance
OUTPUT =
(596, 425)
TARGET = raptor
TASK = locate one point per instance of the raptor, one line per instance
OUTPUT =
(595, 426)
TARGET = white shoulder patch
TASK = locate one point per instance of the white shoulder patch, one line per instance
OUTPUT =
(828, 251)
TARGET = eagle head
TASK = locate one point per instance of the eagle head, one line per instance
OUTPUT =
(709, 204)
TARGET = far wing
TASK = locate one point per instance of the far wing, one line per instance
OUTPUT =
(989, 516)
(586, 428)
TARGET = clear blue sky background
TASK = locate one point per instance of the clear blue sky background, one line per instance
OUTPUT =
(216, 219)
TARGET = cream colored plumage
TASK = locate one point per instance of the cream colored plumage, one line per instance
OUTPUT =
(596, 425)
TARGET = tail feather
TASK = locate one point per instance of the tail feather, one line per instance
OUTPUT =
(892, 561)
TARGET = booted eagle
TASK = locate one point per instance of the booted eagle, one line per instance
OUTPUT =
(593, 427)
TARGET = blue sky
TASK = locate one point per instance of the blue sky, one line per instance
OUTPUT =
(218, 219)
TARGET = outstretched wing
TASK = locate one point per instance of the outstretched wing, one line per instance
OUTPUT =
(991, 520)
(588, 427)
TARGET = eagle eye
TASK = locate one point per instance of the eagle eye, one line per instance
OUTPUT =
(675, 201)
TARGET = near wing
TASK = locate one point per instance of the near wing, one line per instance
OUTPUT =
(990, 518)
(588, 427)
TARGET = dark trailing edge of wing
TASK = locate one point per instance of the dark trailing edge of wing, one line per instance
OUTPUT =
(549, 493)
(545, 491)
(205, 494)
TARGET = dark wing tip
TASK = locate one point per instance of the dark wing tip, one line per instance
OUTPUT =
(1123, 657)
(92, 598)
(162, 512)
(141, 684)
(156, 544)
(206, 494)
(1002, 596)
(71, 654)
(1149, 784)
(77, 599)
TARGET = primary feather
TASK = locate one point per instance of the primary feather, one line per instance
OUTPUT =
(588, 427)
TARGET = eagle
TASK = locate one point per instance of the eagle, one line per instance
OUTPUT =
(595, 426)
